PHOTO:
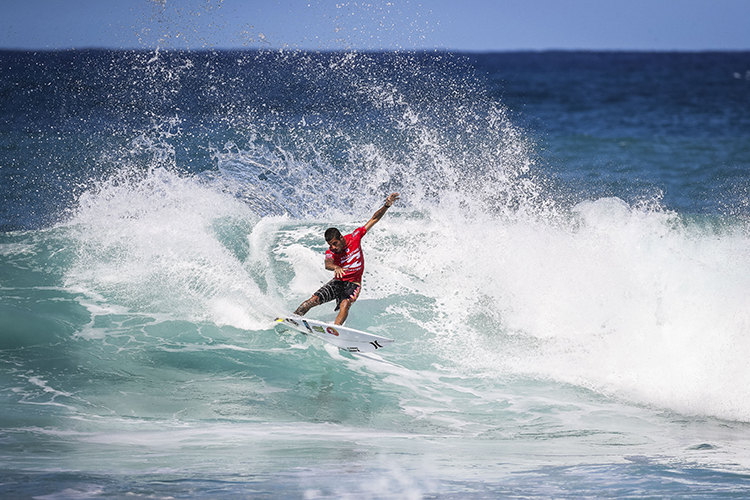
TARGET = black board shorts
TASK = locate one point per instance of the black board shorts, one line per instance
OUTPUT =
(338, 290)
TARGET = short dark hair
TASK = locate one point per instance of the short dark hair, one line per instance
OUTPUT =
(332, 233)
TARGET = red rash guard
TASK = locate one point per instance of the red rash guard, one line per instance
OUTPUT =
(352, 260)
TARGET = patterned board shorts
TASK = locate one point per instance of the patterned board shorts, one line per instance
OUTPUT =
(338, 290)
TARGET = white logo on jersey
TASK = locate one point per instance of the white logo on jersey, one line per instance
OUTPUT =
(352, 261)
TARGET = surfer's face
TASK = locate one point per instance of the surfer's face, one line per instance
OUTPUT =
(337, 245)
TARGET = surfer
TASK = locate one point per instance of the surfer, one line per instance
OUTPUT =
(344, 257)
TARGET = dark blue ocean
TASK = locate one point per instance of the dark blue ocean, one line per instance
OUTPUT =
(566, 275)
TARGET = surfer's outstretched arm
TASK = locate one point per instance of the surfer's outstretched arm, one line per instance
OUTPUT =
(381, 212)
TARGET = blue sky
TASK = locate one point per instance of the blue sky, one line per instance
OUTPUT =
(469, 25)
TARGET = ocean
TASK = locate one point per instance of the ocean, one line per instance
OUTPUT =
(566, 274)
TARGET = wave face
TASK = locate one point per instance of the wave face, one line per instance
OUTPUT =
(567, 283)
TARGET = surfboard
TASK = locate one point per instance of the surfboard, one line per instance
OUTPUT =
(346, 339)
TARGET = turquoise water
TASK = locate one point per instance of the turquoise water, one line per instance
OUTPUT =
(569, 303)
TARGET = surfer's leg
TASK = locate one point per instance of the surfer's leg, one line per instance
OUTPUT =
(326, 293)
(352, 290)
(343, 312)
(307, 305)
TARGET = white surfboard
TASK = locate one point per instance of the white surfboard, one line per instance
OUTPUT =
(346, 339)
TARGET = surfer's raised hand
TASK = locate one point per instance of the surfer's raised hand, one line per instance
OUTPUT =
(393, 198)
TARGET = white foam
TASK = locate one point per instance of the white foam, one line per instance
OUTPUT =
(633, 303)
(153, 244)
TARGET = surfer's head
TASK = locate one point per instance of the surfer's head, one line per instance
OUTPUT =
(335, 240)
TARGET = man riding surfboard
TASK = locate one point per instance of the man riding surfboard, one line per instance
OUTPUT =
(345, 258)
